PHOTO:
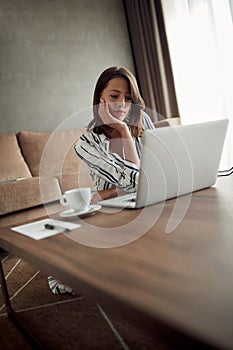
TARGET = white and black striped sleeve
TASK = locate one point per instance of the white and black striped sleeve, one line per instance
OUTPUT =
(110, 167)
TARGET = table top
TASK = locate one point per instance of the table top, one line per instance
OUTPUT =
(171, 262)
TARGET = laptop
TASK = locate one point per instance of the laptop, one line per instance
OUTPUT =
(175, 161)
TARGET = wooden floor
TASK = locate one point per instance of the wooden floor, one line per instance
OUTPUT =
(62, 321)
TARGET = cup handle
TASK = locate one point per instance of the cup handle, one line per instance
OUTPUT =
(63, 200)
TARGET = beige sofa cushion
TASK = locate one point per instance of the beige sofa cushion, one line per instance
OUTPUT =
(32, 145)
(12, 163)
(28, 193)
(53, 154)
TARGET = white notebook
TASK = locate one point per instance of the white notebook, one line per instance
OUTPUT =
(37, 230)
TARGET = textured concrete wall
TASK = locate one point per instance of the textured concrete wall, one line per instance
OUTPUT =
(51, 53)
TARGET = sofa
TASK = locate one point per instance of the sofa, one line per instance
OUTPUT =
(36, 168)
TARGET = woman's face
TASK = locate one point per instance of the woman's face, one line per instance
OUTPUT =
(117, 95)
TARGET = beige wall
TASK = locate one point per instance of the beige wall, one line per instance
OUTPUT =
(51, 53)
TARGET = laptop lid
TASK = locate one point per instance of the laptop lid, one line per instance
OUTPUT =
(176, 160)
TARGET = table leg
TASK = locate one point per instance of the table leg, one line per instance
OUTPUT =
(12, 315)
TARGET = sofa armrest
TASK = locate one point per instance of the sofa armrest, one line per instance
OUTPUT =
(167, 122)
(27, 193)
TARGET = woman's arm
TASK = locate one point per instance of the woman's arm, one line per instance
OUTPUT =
(122, 132)
(130, 153)
(110, 167)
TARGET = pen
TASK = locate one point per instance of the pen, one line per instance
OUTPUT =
(55, 227)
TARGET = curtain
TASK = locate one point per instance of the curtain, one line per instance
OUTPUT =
(151, 57)
(200, 38)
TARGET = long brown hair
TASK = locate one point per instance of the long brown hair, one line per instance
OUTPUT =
(134, 117)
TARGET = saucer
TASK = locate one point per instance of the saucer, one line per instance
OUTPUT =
(70, 213)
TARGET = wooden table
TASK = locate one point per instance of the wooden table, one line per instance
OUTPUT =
(180, 283)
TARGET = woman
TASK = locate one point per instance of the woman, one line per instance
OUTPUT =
(111, 147)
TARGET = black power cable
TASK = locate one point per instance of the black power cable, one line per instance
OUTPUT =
(225, 172)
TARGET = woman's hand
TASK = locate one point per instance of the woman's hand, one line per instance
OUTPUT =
(107, 194)
(108, 119)
(121, 132)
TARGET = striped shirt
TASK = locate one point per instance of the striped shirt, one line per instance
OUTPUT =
(109, 169)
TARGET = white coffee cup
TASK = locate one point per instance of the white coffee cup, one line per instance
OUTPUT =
(78, 199)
